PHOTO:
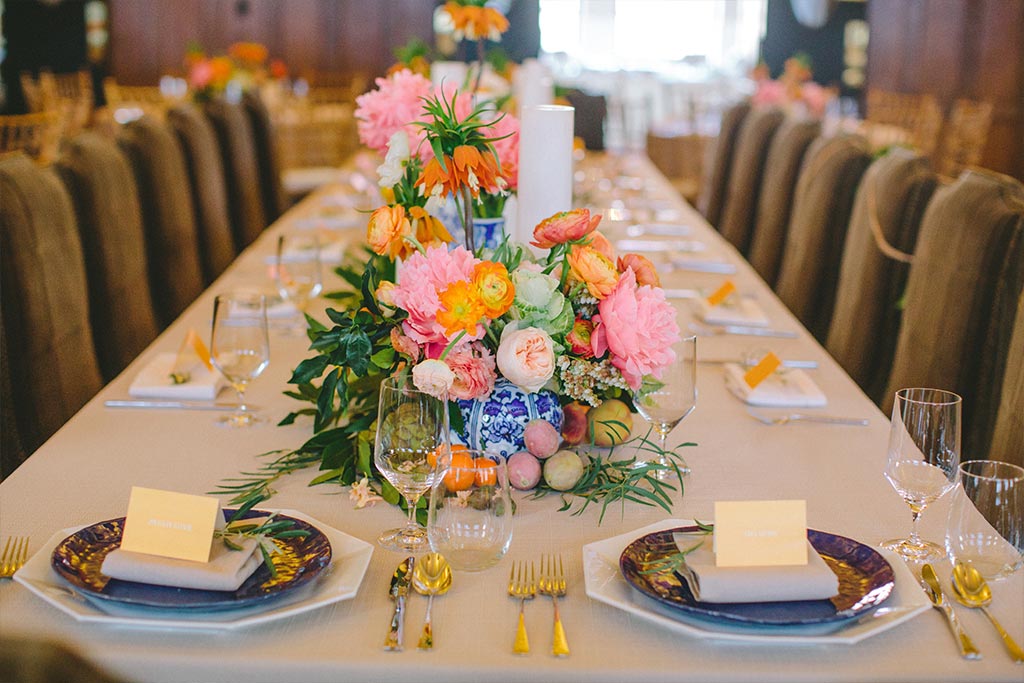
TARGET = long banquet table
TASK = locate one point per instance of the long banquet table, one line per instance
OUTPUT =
(84, 473)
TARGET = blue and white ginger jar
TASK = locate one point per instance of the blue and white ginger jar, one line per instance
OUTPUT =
(497, 423)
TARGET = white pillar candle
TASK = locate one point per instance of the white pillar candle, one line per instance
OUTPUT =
(545, 165)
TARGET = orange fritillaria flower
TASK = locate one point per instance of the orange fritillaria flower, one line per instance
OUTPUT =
(429, 230)
(477, 23)
(461, 308)
(467, 167)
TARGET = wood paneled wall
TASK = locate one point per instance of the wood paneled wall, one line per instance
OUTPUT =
(953, 49)
(149, 37)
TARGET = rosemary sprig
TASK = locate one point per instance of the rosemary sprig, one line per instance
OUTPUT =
(263, 529)
(675, 561)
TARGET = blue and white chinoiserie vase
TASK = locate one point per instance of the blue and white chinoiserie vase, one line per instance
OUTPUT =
(488, 232)
(498, 422)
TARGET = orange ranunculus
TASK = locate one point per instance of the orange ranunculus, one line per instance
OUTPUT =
(601, 244)
(429, 230)
(477, 23)
(387, 230)
(594, 269)
(642, 267)
(563, 227)
(220, 70)
(251, 53)
(461, 308)
(467, 167)
(495, 287)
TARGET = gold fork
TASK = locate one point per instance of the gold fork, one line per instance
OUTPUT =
(14, 556)
(522, 588)
(552, 582)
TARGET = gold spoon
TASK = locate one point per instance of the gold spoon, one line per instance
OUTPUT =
(972, 591)
(431, 576)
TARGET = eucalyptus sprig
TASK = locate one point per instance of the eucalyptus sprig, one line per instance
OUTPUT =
(607, 480)
(264, 530)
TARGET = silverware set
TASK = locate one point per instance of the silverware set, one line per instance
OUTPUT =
(523, 585)
(779, 420)
(14, 556)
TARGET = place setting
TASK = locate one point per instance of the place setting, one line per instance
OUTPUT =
(178, 561)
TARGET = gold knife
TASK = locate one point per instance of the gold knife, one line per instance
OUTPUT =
(399, 589)
(934, 591)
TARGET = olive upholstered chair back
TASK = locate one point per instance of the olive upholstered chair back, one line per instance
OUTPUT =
(275, 201)
(809, 271)
(962, 297)
(241, 170)
(1008, 438)
(744, 186)
(209, 191)
(51, 360)
(719, 163)
(775, 202)
(175, 276)
(13, 452)
(99, 180)
(887, 214)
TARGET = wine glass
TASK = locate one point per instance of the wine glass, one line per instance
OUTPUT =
(924, 454)
(411, 451)
(239, 347)
(666, 401)
(297, 271)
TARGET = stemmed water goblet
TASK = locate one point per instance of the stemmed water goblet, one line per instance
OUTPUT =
(297, 271)
(239, 347)
(924, 454)
(412, 451)
(666, 401)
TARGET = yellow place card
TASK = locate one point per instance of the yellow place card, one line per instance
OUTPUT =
(762, 371)
(170, 524)
(760, 533)
(722, 293)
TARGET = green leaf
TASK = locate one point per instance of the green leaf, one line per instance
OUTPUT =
(455, 420)
(325, 404)
(329, 475)
(357, 352)
(384, 358)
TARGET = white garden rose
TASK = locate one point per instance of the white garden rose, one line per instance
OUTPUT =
(433, 377)
(526, 357)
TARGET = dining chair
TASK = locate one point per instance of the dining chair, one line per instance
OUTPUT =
(883, 229)
(679, 157)
(49, 356)
(588, 122)
(241, 170)
(719, 164)
(1008, 437)
(964, 136)
(919, 116)
(823, 200)
(275, 200)
(37, 135)
(209, 192)
(744, 186)
(99, 179)
(775, 202)
(962, 296)
(45, 661)
(12, 453)
(172, 248)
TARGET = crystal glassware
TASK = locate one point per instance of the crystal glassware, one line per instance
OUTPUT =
(469, 518)
(412, 451)
(924, 454)
(666, 401)
(297, 270)
(239, 347)
(986, 519)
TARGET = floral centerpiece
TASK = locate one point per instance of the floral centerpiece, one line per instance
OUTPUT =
(793, 88)
(578, 328)
(245, 66)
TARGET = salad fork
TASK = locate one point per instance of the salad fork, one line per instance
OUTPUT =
(14, 556)
(801, 417)
(522, 588)
(552, 582)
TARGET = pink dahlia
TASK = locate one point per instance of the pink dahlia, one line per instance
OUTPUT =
(394, 105)
(638, 327)
(473, 366)
(423, 279)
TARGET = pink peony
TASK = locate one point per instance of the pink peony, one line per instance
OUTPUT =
(393, 106)
(769, 93)
(423, 278)
(638, 327)
(200, 75)
(473, 366)
(507, 148)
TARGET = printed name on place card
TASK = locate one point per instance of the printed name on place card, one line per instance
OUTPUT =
(762, 371)
(170, 524)
(759, 533)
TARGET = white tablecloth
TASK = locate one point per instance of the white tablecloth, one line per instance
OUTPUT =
(84, 473)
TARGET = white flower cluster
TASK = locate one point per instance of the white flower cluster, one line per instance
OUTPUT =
(581, 378)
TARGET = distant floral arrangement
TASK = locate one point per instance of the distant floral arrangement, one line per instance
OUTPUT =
(245, 66)
(793, 88)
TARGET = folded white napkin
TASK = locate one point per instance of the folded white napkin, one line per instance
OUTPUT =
(226, 570)
(154, 381)
(708, 583)
(735, 310)
(786, 389)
